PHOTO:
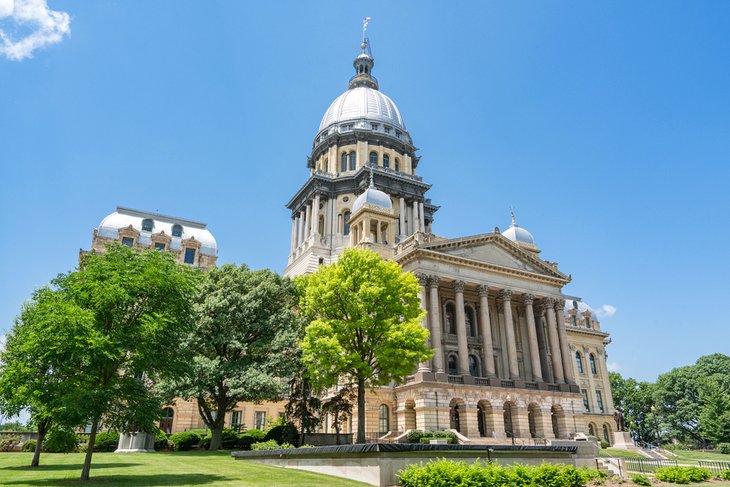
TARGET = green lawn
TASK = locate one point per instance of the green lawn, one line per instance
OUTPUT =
(156, 469)
(618, 453)
(697, 455)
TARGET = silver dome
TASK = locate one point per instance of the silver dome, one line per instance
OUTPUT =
(372, 196)
(360, 104)
(519, 234)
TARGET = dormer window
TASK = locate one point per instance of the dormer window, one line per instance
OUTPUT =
(177, 230)
(159, 246)
(147, 225)
(128, 241)
(189, 256)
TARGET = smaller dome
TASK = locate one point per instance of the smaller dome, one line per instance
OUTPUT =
(519, 235)
(372, 196)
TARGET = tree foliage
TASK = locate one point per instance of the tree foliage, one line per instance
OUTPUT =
(364, 326)
(243, 342)
(636, 399)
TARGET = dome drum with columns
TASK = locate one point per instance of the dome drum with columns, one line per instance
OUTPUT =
(503, 336)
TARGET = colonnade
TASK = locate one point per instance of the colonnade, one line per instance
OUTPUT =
(535, 308)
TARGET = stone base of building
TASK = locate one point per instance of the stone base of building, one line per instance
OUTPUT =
(136, 443)
(623, 440)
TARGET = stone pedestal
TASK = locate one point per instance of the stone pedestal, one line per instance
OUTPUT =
(622, 439)
(136, 443)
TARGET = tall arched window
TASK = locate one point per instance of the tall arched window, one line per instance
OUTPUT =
(177, 230)
(373, 158)
(384, 418)
(352, 161)
(591, 429)
(605, 433)
(326, 165)
(386, 161)
(147, 225)
(579, 362)
(473, 365)
(346, 223)
(592, 362)
(471, 329)
(453, 370)
(343, 162)
(397, 165)
(449, 320)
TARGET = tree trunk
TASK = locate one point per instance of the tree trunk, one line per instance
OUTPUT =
(42, 428)
(89, 451)
(216, 431)
(360, 410)
(337, 432)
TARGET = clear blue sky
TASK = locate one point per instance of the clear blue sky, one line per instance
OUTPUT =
(606, 125)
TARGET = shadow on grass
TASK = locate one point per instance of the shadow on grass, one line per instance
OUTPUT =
(147, 480)
(67, 466)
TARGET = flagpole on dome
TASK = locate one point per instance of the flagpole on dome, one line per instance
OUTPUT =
(364, 44)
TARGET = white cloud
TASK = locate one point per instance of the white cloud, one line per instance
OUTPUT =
(27, 25)
(606, 311)
(613, 367)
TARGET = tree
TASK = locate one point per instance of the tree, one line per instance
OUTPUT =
(339, 407)
(35, 372)
(243, 342)
(365, 325)
(303, 404)
(636, 399)
(136, 308)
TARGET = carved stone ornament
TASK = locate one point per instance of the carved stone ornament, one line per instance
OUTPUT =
(459, 286)
(505, 295)
(422, 279)
(483, 290)
(528, 299)
(433, 281)
(559, 304)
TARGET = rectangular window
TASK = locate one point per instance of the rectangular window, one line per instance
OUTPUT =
(259, 420)
(236, 419)
(586, 402)
(599, 401)
(128, 241)
(190, 256)
(159, 246)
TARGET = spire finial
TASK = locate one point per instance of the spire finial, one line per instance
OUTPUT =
(365, 23)
(372, 183)
(512, 212)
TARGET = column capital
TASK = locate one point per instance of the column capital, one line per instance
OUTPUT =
(433, 281)
(483, 290)
(459, 286)
(559, 304)
(422, 279)
(505, 295)
(549, 302)
(528, 299)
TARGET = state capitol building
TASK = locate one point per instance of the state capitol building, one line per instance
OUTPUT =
(514, 357)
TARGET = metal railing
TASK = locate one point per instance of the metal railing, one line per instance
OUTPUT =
(647, 466)
(715, 466)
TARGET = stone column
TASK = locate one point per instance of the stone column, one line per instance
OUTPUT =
(608, 396)
(421, 217)
(527, 300)
(486, 331)
(461, 328)
(435, 312)
(554, 341)
(505, 297)
(495, 422)
(414, 217)
(402, 231)
(307, 221)
(293, 234)
(422, 281)
(315, 217)
(301, 226)
(563, 339)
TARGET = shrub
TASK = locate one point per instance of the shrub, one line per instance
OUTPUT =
(271, 445)
(29, 446)
(604, 444)
(258, 435)
(7, 443)
(161, 441)
(682, 475)
(724, 448)
(427, 436)
(185, 440)
(282, 433)
(639, 479)
(724, 475)
(60, 441)
(414, 436)
(106, 441)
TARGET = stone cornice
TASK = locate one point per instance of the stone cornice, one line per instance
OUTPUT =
(585, 331)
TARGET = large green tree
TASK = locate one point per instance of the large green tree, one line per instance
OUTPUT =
(38, 360)
(128, 311)
(243, 343)
(364, 326)
(636, 399)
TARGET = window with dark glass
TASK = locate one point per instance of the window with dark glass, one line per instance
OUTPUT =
(343, 162)
(605, 433)
(373, 158)
(159, 246)
(147, 225)
(386, 161)
(586, 402)
(599, 401)
(346, 223)
(128, 241)
(397, 165)
(473, 366)
(384, 418)
(177, 230)
(452, 365)
(352, 161)
(471, 329)
(190, 256)
(592, 361)
(579, 362)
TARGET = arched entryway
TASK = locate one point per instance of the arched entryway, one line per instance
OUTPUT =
(485, 418)
(534, 421)
(592, 430)
(607, 433)
(166, 420)
(510, 419)
(456, 410)
(558, 419)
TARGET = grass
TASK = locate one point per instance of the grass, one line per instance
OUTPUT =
(156, 469)
(618, 453)
(683, 455)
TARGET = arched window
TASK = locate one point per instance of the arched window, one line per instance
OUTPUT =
(453, 370)
(471, 329)
(147, 225)
(386, 161)
(397, 165)
(449, 320)
(352, 161)
(592, 361)
(373, 158)
(346, 223)
(591, 429)
(326, 165)
(473, 365)
(579, 362)
(343, 162)
(384, 418)
(605, 433)
(177, 230)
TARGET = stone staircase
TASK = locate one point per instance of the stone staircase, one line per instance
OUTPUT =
(609, 465)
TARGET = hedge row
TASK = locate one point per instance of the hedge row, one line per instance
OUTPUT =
(682, 475)
(279, 435)
(446, 472)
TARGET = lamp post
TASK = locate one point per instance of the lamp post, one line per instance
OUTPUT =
(656, 424)
(511, 424)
